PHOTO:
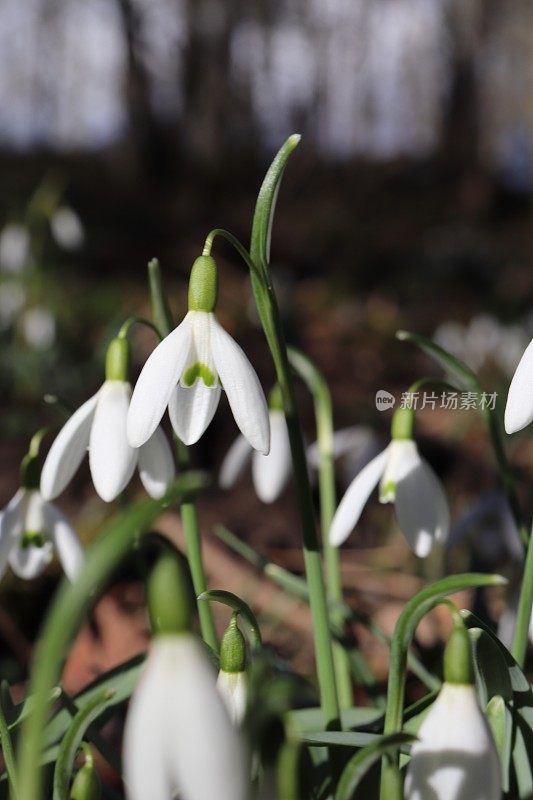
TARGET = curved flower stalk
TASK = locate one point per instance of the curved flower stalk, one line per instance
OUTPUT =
(356, 445)
(405, 479)
(99, 425)
(456, 757)
(271, 472)
(232, 681)
(178, 736)
(188, 369)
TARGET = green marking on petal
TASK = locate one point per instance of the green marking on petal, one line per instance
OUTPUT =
(32, 539)
(197, 371)
(387, 492)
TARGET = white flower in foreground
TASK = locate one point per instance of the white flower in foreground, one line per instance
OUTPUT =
(100, 425)
(30, 530)
(188, 369)
(178, 737)
(270, 473)
(519, 408)
(456, 758)
(407, 480)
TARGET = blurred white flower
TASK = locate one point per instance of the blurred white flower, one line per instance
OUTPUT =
(270, 472)
(67, 228)
(186, 372)
(39, 328)
(519, 408)
(12, 299)
(14, 247)
(407, 480)
(30, 530)
(100, 425)
(178, 737)
(455, 757)
(355, 445)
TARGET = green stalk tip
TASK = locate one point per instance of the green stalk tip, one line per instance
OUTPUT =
(457, 655)
(203, 284)
(117, 359)
(403, 423)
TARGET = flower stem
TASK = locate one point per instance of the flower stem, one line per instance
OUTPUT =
(525, 607)
(189, 517)
(318, 387)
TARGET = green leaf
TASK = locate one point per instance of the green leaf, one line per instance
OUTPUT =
(266, 204)
(71, 742)
(301, 721)
(234, 602)
(454, 367)
(501, 724)
(8, 753)
(361, 762)
(490, 669)
(339, 738)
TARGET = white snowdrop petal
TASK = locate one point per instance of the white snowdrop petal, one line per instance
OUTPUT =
(29, 562)
(234, 462)
(233, 688)
(455, 757)
(156, 465)
(111, 457)
(519, 408)
(353, 502)
(66, 542)
(158, 377)
(421, 507)
(191, 410)
(11, 525)
(203, 749)
(241, 384)
(145, 772)
(68, 450)
(270, 473)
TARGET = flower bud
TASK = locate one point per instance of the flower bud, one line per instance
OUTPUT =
(232, 681)
(87, 784)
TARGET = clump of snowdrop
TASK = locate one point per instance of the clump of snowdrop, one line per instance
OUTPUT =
(99, 425)
(188, 370)
(270, 472)
(232, 681)
(31, 528)
(405, 479)
(178, 737)
(455, 757)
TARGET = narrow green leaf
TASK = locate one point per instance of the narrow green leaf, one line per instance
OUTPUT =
(9, 755)
(73, 738)
(160, 310)
(490, 668)
(501, 724)
(452, 365)
(362, 761)
(234, 602)
(339, 738)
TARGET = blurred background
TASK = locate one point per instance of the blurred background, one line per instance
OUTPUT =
(130, 128)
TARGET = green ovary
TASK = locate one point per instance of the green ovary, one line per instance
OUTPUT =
(387, 492)
(32, 539)
(196, 372)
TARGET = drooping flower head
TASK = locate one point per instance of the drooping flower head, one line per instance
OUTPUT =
(178, 737)
(32, 528)
(405, 479)
(190, 367)
(270, 472)
(519, 407)
(99, 425)
(455, 757)
(232, 681)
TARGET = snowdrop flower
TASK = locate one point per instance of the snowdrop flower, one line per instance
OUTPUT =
(178, 737)
(232, 681)
(100, 425)
(14, 247)
(519, 408)
(187, 370)
(406, 480)
(270, 472)
(67, 228)
(31, 528)
(455, 757)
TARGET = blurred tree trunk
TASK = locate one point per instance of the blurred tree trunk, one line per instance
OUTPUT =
(207, 98)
